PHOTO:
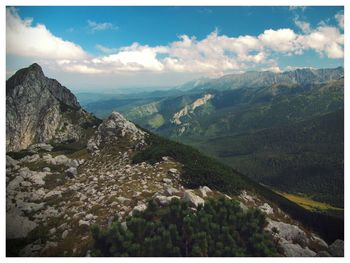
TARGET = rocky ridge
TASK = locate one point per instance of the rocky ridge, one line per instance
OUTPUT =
(40, 109)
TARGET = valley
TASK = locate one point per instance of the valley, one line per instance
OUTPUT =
(283, 130)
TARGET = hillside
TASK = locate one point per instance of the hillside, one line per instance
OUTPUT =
(270, 133)
(124, 191)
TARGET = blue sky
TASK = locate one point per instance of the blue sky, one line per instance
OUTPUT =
(90, 48)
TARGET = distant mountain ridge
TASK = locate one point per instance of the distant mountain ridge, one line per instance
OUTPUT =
(255, 79)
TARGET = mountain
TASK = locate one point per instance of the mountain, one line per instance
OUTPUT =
(237, 125)
(39, 109)
(257, 79)
(120, 190)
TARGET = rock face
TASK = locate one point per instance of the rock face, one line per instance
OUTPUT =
(113, 129)
(40, 109)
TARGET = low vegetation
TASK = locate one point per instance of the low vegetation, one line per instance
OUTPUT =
(198, 169)
(220, 228)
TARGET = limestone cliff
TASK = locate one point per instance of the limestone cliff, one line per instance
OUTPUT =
(40, 109)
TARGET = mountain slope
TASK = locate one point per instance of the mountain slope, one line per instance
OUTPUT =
(118, 175)
(39, 109)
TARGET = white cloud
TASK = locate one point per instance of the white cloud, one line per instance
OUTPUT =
(281, 40)
(106, 49)
(215, 54)
(304, 26)
(24, 39)
(326, 41)
(95, 26)
(340, 19)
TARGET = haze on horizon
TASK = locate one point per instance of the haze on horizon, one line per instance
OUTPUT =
(106, 48)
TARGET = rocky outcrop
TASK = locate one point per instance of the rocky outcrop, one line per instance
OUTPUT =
(192, 199)
(115, 129)
(39, 109)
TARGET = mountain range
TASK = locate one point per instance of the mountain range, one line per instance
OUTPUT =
(80, 186)
(284, 130)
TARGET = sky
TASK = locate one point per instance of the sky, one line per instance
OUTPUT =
(108, 48)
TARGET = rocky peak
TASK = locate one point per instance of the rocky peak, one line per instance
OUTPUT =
(115, 128)
(40, 109)
(33, 78)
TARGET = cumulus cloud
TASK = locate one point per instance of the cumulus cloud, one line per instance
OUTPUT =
(24, 39)
(95, 26)
(216, 54)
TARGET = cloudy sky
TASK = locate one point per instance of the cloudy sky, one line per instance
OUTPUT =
(104, 48)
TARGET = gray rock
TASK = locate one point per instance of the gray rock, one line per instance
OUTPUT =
(167, 180)
(170, 191)
(295, 250)
(84, 223)
(336, 249)
(173, 171)
(65, 234)
(34, 119)
(10, 162)
(18, 226)
(29, 207)
(15, 183)
(204, 190)
(112, 129)
(288, 232)
(52, 231)
(54, 193)
(139, 208)
(46, 169)
(266, 208)
(34, 148)
(193, 200)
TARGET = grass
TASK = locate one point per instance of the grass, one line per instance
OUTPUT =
(308, 203)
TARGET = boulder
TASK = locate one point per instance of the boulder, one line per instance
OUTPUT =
(204, 190)
(139, 208)
(193, 200)
(53, 193)
(173, 171)
(38, 177)
(266, 208)
(288, 232)
(15, 183)
(10, 162)
(84, 223)
(18, 226)
(295, 250)
(34, 148)
(336, 249)
(171, 191)
(167, 180)
(65, 234)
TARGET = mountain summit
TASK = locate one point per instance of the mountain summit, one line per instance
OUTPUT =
(40, 109)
